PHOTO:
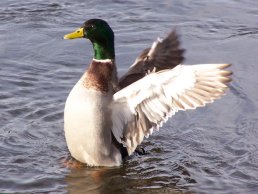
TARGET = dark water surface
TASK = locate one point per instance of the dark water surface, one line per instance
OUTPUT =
(210, 150)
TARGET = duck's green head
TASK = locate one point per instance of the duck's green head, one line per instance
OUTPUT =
(100, 34)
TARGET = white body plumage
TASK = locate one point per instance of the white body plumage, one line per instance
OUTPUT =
(87, 127)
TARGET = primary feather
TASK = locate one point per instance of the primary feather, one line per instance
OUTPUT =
(150, 101)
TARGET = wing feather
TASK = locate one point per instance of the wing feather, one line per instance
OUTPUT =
(164, 54)
(146, 104)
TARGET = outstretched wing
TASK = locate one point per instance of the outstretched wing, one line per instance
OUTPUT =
(164, 54)
(148, 103)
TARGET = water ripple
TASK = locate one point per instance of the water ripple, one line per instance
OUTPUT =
(209, 150)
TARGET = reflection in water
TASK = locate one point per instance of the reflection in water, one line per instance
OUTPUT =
(87, 180)
(139, 173)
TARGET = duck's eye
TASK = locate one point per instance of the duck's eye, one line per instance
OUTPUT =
(90, 27)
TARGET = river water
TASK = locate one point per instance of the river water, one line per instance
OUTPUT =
(210, 150)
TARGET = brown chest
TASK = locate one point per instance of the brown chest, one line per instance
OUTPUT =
(100, 76)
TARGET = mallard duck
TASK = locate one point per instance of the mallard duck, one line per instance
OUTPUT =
(106, 118)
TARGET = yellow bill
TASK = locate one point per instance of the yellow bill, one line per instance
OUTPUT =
(79, 33)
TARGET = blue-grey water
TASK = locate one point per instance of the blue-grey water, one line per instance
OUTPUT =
(209, 150)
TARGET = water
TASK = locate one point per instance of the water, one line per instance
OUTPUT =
(210, 150)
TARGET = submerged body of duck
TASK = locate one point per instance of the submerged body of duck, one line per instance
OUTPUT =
(105, 118)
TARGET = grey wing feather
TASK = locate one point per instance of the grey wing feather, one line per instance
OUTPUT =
(143, 106)
(164, 54)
